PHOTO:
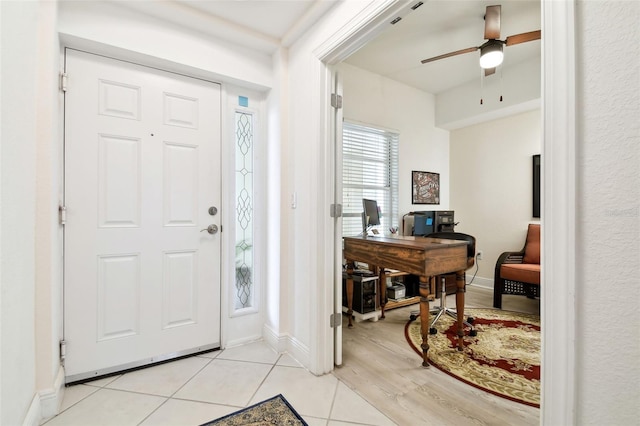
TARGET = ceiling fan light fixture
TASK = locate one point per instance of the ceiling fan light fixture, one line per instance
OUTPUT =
(491, 54)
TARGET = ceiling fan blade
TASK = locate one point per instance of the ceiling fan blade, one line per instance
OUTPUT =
(492, 22)
(447, 55)
(489, 71)
(524, 37)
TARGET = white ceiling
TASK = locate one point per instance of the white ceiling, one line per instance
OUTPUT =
(439, 27)
(436, 27)
(262, 25)
(272, 18)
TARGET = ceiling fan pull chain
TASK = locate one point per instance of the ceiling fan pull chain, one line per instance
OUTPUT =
(501, 84)
(481, 85)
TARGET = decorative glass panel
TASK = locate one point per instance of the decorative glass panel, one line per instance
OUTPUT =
(244, 210)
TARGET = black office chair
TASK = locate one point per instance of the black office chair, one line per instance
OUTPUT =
(471, 257)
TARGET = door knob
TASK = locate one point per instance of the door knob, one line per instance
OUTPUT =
(212, 229)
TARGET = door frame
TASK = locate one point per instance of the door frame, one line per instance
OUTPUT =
(336, 121)
(226, 220)
(558, 198)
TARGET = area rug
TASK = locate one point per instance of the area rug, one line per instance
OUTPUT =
(273, 411)
(503, 359)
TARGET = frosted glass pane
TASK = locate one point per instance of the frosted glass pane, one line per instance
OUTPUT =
(244, 266)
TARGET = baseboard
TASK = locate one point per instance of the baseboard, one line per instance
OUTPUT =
(46, 403)
(275, 340)
(34, 415)
(486, 283)
(240, 342)
(51, 399)
(299, 352)
(285, 343)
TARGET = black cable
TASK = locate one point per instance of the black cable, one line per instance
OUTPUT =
(477, 268)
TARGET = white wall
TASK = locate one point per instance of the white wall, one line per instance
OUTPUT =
(49, 233)
(607, 344)
(519, 87)
(31, 250)
(19, 44)
(30, 247)
(307, 160)
(491, 184)
(144, 39)
(379, 101)
(242, 71)
(607, 257)
(485, 169)
(606, 300)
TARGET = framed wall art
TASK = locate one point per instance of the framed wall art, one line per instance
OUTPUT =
(425, 188)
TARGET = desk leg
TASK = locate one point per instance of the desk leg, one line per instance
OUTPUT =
(424, 318)
(382, 277)
(349, 287)
(460, 307)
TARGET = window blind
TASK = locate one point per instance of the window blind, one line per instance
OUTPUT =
(369, 170)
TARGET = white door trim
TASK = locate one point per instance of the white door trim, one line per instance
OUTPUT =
(558, 358)
(558, 176)
(368, 23)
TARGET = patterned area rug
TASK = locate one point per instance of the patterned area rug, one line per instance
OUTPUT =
(274, 411)
(503, 359)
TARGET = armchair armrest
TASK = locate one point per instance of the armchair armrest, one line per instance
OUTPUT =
(507, 257)
(511, 257)
(498, 283)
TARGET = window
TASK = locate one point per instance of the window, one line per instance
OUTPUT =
(369, 170)
(244, 210)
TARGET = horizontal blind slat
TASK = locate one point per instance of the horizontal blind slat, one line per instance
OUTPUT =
(370, 170)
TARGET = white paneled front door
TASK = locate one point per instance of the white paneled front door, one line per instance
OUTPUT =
(142, 170)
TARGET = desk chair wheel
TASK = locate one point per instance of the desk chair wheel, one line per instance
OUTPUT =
(470, 320)
(413, 317)
(473, 333)
(433, 330)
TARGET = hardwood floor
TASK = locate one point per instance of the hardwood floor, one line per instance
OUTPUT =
(380, 366)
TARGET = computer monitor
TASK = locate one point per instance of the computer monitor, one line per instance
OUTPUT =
(370, 215)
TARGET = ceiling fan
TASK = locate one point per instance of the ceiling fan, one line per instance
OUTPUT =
(491, 54)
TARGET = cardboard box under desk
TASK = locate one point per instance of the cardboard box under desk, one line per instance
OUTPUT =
(396, 291)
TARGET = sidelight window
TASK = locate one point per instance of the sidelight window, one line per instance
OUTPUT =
(244, 201)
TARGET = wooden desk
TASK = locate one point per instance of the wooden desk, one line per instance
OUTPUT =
(425, 257)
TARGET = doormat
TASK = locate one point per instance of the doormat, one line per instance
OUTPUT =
(503, 359)
(273, 411)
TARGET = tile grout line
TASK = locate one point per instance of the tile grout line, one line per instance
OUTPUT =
(179, 388)
(333, 400)
(97, 389)
(263, 380)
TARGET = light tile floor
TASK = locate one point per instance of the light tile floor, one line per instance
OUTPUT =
(198, 389)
